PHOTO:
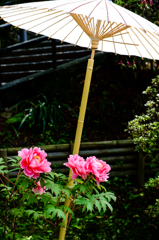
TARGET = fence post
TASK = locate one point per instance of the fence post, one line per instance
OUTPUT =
(3, 154)
(23, 35)
(141, 168)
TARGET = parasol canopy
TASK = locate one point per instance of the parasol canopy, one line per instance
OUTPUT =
(115, 28)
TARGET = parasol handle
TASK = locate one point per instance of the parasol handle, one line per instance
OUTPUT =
(80, 124)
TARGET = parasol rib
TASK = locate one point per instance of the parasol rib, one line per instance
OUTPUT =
(85, 21)
(79, 38)
(52, 24)
(61, 28)
(154, 36)
(80, 6)
(79, 20)
(94, 8)
(121, 42)
(106, 29)
(89, 25)
(40, 18)
(107, 11)
(134, 44)
(119, 13)
(134, 19)
(70, 33)
(42, 22)
(142, 44)
(17, 14)
(67, 4)
(115, 32)
(114, 45)
(102, 29)
(116, 35)
(97, 28)
(112, 31)
(147, 41)
(125, 44)
(151, 38)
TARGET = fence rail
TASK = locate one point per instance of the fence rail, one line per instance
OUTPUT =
(119, 154)
(36, 55)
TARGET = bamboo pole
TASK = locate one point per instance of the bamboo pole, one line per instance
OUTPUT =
(80, 127)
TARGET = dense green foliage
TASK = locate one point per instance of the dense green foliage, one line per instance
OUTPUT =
(147, 9)
(41, 111)
(132, 210)
(18, 201)
(144, 129)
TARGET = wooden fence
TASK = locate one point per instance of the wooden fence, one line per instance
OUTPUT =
(33, 56)
(119, 154)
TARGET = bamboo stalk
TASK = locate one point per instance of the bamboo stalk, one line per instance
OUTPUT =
(79, 132)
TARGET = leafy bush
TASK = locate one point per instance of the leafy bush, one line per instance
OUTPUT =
(144, 129)
(39, 112)
(147, 9)
(27, 210)
(151, 184)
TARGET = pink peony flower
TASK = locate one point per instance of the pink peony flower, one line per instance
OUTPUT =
(77, 165)
(38, 188)
(33, 162)
(98, 168)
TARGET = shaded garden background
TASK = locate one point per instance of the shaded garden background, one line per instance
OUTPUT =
(115, 98)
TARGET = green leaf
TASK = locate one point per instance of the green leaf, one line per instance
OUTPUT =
(36, 216)
(67, 192)
(111, 195)
(32, 199)
(29, 212)
(14, 169)
(67, 209)
(76, 186)
(24, 119)
(98, 205)
(90, 206)
(84, 207)
(59, 213)
(81, 201)
(45, 198)
(109, 206)
(103, 205)
(2, 167)
(49, 209)
(54, 187)
(83, 189)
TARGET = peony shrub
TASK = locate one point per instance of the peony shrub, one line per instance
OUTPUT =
(35, 176)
